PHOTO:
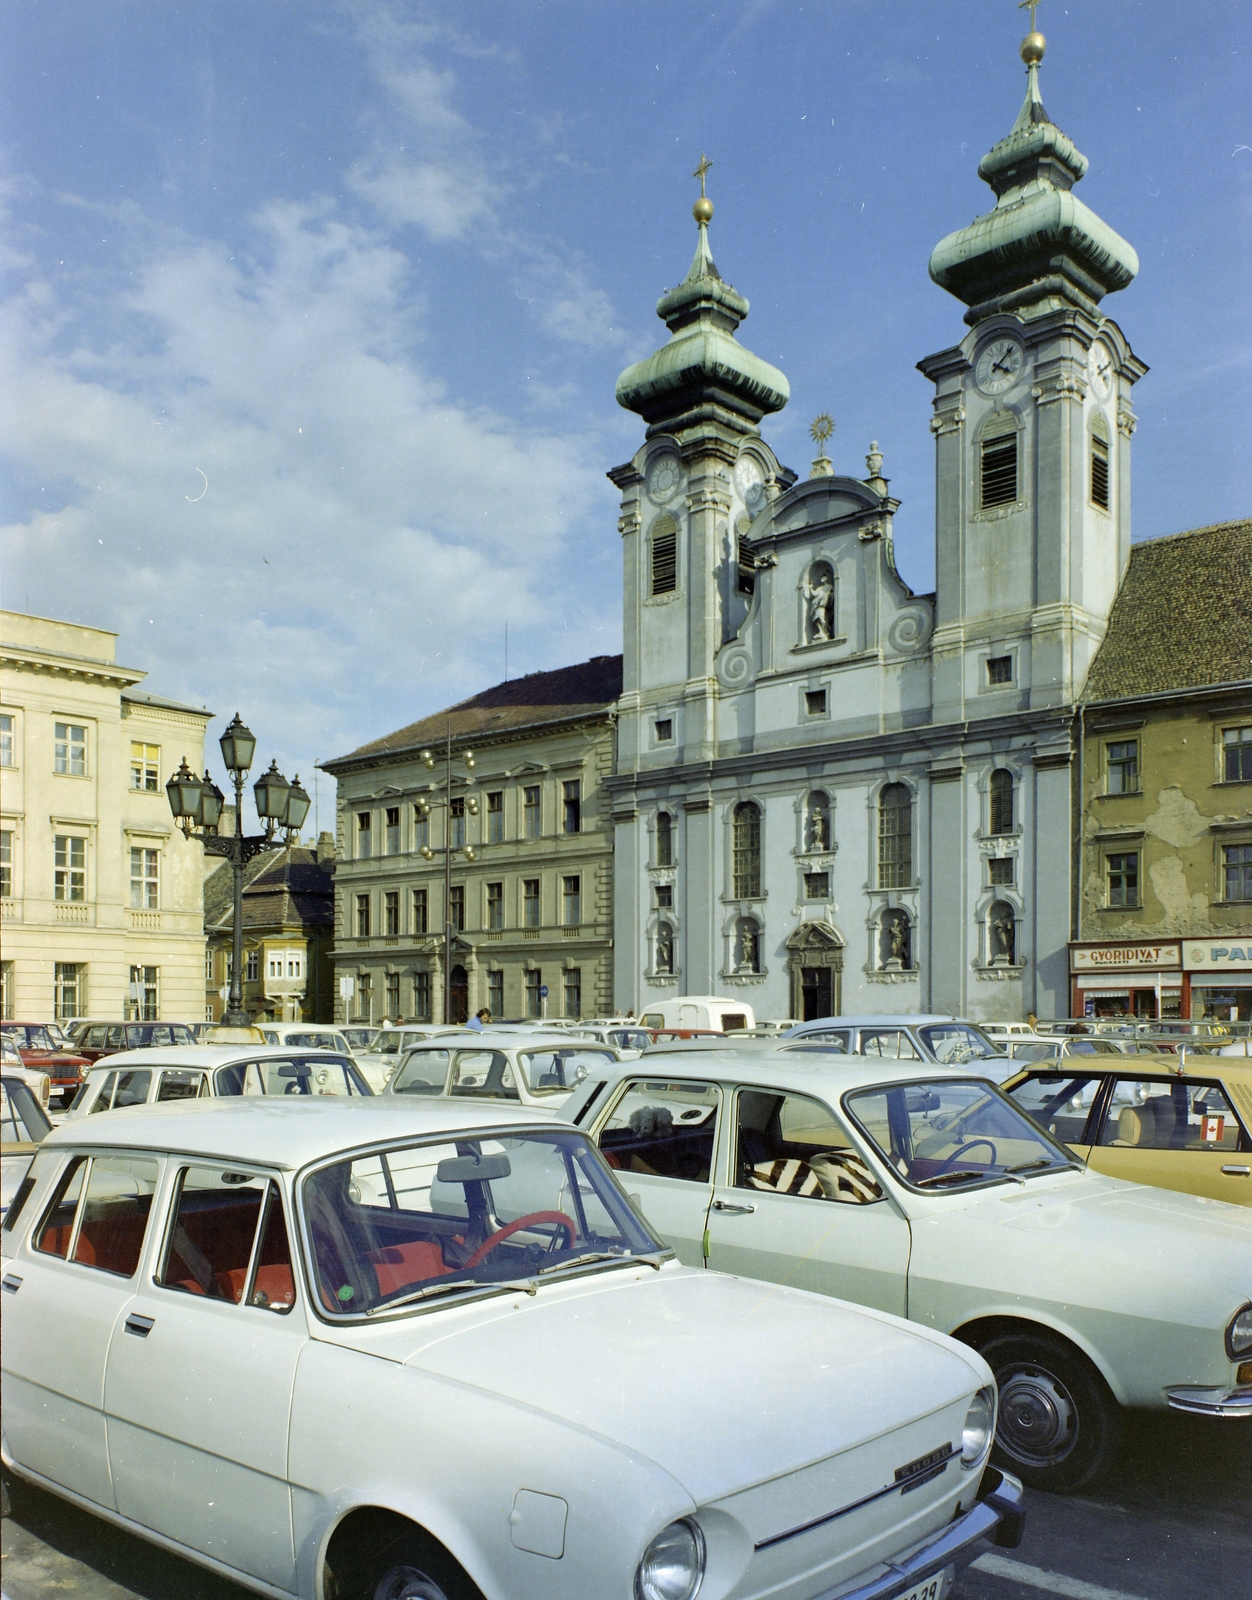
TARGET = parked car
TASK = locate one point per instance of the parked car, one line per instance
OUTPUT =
(947, 1041)
(1086, 1295)
(531, 1069)
(24, 1125)
(38, 1048)
(209, 1071)
(390, 1045)
(460, 1365)
(1061, 1047)
(94, 1040)
(707, 1012)
(305, 1036)
(35, 1078)
(361, 1039)
(1003, 1031)
(1151, 1120)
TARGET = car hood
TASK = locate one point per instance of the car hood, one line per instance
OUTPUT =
(721, 1381)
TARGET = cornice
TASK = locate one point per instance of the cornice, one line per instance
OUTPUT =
(83, 668)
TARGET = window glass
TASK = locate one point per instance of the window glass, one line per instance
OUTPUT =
(791, 1144)
(956, 1042)
(104, 1099)
(1123, 766)
(212, 1248)
(54, 1235)
(484, 1072)
(179, 1085)
(422, 1221)
(893, 1043)
(422, 1072)
(553, 1071)
(96, 1039)
(951, 1133)
(1058, 1101)
(666, 1129)
(21, 1120)
(1169, 1114)
(132, 1088)
(1237, 750)
(115, 1213)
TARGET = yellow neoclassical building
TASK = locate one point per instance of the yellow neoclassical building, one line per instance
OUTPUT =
(100, 893)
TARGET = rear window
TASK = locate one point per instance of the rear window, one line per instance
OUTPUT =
(422, 1072)
(557, 1071)
(181, 1085)
(302, 1075)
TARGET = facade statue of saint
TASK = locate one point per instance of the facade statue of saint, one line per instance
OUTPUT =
(1002, 937)
(747, 948)
(819, 604)
(665, 948)
(819, 828)
(898, 939)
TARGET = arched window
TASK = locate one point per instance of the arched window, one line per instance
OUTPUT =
(664, 839)
(664, 555)
(1001, 934)
(664, 947)
(895, 949)
(746, 956)
(1001, 801)
(747, 851)
(817, 822)
(1100, 462)
(998, 462)
(895, 837)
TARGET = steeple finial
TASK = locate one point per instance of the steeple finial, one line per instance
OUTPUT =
(702, 211)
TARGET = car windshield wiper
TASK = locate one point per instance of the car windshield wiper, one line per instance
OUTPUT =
(656, 1260)
(503, 1286)
(937, 1178)
(1042, 1163)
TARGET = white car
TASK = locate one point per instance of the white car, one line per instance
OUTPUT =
(382, 1058)
(24, 1125)
(158, 1076)
(317, 1348)
(35, 1079)
(1085, 1294)
(534, 1069)
(945, 1040)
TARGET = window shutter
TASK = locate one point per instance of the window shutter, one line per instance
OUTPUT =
(999, 464)
(664, 555)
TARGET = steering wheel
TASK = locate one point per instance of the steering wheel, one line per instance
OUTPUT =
(973, 1144)
(501, 1234)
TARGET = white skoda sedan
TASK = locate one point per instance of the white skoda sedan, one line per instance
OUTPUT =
(340, 1347)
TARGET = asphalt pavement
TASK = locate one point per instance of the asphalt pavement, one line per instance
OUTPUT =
(1172, 1521)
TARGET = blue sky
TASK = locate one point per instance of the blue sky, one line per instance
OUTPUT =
(314, 310)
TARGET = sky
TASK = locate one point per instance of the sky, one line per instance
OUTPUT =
(313, 309)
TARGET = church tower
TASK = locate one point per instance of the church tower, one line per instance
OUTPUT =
(1032, 427)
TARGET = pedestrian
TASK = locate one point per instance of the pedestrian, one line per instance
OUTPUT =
(1032, 1022)
(479, 1020)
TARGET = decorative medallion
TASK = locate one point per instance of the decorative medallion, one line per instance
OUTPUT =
(663, 478)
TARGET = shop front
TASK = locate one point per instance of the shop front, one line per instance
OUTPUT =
(1143, 980)
(1218, 978)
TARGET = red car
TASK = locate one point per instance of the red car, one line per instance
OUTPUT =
(94, 1040)
(38, 1048)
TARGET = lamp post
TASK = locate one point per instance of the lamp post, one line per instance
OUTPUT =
(197, 807)
(425, 806)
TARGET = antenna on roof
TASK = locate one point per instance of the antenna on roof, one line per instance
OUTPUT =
(506, 651)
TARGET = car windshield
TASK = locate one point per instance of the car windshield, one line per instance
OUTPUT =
(556, 1071)
(955, 1043)
(425, 1222)
(31, 1037)
(361, 1038)
(630, 1038)
(319, 1076)
(952, 1133)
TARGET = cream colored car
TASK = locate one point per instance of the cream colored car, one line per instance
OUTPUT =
(527, 1068)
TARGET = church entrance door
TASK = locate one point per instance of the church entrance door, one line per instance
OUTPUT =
(815, 993)
(459, 994)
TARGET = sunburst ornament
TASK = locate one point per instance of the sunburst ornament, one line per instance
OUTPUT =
(821, 428)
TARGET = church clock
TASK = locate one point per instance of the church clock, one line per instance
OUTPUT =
(999, 366)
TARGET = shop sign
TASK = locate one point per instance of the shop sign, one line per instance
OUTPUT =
(1115, 957)
(1234, 954)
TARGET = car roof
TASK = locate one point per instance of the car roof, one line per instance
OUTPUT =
(193, 1055)
(788, 1069)
(472, 1038)
(1197, 1065)
(288, 1133)
(885, 1020)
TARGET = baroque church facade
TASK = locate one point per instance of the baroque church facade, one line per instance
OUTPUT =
(833, 794)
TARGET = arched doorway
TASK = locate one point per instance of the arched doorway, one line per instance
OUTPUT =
(815, 961)
(458, 994)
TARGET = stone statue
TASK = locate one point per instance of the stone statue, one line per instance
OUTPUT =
(1002, 936)
(898, 940)
(819, 601)
(819, 828)
(747, 947)
(665, 948)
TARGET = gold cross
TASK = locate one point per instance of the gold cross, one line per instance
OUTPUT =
(704, 166)
(1023, 5)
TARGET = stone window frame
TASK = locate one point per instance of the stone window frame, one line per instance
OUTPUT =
(655, 831)
(732, 895)
(875, 794)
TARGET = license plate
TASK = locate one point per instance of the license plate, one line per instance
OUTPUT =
(934, 1588)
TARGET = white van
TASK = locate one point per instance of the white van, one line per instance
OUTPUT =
(699, 1011)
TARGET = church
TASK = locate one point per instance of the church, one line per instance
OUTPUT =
(832, 794)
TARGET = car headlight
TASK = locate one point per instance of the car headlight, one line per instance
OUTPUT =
(980, 1421)
(673, 1564)
(1239, 1333)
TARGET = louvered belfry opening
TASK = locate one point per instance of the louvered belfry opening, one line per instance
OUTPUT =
(664, 555)
(999, 465)
(1099, 467)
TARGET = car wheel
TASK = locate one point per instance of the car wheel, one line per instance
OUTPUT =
(408, 1568)
(1058, 1426)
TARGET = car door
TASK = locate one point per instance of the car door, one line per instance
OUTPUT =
(67, 1289)
(1173, 1133)
(660, 1136)
(802, 1205)
(198, 1386)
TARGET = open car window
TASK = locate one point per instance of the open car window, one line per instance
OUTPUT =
(429, 1222)
(227, 1240)
(791, 1144)
(664, 1129)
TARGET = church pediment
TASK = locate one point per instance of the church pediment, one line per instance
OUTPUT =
(814, 936)
(821, 503)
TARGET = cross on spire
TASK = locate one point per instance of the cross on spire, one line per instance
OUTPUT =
(1030, 5)
(705, 164)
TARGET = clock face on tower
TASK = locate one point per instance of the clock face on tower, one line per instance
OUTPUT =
(999, 366)
(1100, 369)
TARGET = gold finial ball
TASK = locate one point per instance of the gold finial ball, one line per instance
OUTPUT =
(1033, 46)
(702, 211)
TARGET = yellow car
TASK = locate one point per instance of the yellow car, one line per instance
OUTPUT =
(1173, 1122)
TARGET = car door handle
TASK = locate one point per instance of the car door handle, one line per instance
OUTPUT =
(1231, 1172)
(141, 1327)
(12, 1283)
(725, 1205)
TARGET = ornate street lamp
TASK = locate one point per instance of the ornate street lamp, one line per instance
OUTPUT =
(425, 806)
(197, 807)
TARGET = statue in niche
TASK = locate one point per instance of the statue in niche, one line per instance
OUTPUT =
(746, 947)
(819, 826)
(1002, 934)
(896, 930)
(819, 605)
(665, 948)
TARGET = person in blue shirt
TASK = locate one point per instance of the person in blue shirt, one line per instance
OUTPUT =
(479, 1020)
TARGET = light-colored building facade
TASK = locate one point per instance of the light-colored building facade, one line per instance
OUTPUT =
(101, 894)
(1165, 861)
(834, 794)
(531, 908)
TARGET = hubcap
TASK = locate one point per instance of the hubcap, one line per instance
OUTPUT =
(1038, 1417)
(407, 1583)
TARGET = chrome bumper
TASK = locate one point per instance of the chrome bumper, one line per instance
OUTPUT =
(1213, 1402)
(998, 1514)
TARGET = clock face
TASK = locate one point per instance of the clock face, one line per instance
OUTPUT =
(748, 478)
(1100, 369)
(663, 479)
(999, 366)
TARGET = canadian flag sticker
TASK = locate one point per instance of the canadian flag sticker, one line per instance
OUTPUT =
(1211, 1129)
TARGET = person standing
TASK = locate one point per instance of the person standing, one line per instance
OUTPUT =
(479, 1020)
